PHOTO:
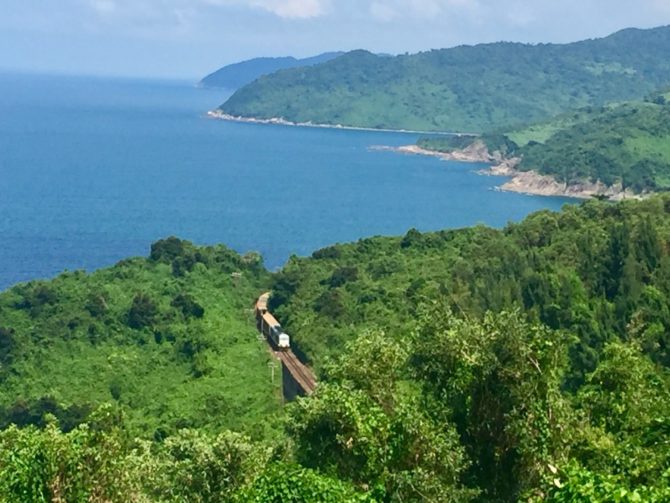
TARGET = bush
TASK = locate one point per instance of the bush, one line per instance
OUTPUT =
(6, 345)
(188, 306)
(142, 313)
(166, 250)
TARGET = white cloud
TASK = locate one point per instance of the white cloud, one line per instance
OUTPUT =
(383, 12)
(289, 9)
(296, 9)
(394, 10)
(104, 7)
(662, 5)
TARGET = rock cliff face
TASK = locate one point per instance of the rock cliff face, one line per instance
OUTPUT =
(530, 182)
(525, 182)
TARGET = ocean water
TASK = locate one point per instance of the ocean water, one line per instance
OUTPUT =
(95, 170)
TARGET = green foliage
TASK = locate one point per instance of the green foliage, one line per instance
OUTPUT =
(529, 363)
(625, 404)
(192, 466)
(284, 483)
(169, 338)
(576, 484)
(188, 306)
(467, 88)
(597, 270)
(368, 426)
(500, 382)
(572, 367)
(46, 465)
(143, 312)
(445, 143)
(624, 144)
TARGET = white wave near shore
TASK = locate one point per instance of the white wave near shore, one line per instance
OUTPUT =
(280, 121)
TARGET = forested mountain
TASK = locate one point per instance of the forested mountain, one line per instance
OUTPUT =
(464, 89)
(169, 338)
(593, 283)
(626, 143)
(239, 74)
(524, 364)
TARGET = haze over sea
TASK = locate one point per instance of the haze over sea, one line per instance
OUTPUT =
(94, 170)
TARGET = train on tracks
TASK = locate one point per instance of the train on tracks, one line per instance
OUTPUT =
(297, 378)
(269, 326)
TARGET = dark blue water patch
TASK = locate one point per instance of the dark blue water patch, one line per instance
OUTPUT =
(93, 171)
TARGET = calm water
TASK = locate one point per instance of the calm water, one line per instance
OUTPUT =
(93, 171)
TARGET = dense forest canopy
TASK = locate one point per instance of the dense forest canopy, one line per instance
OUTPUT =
(463, 89)
(529, 363)
(168, 338)
(625, 144)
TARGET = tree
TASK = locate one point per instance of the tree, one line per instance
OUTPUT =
(192, 466)
(500, 382)
(364, 427)
(86, 464)
(188, 306)
(142, 313)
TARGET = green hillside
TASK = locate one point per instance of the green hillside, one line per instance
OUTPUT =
(239, 74)
(628, 143)
(625, 143)
(465, 89)
(170, 339)
(573, 270)
(598, 275)
(530, 363)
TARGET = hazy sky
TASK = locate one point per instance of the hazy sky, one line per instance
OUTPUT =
(189, 38)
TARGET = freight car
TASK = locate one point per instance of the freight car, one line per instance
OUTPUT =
(269, 326)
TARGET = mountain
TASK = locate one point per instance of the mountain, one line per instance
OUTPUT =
(624, 144)
(530, 363)
(596, 274)
(168, 338)
(466, 88)
(239, 74)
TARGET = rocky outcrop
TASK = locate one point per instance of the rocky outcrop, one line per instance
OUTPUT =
(525, 182)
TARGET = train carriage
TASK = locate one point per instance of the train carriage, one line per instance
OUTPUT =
(273, 330)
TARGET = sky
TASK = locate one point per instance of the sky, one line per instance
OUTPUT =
(189, 38)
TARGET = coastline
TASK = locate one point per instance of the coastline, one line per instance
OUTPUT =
(522, 182)
(278, 121)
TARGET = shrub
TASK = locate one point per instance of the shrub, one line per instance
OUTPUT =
(143, 312)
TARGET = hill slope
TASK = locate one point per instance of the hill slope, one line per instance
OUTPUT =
(170, 338)
(627, 144)
(624, 144)
(527, 364)
(467, 88)
(574, 270)
(239, 74)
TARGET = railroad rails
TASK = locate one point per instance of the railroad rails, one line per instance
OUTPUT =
(301, 379)
(302, 374)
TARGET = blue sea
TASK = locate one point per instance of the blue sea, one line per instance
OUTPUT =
(94, 170)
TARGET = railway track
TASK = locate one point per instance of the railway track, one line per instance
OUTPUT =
(301, 374)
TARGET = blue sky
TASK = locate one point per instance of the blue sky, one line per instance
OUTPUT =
(189, 38)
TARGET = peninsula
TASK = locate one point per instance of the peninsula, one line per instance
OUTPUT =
(617, 152)
(467, 88)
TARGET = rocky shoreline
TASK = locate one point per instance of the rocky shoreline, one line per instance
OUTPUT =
(524, 182)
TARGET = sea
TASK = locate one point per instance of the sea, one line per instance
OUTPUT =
(94, 170)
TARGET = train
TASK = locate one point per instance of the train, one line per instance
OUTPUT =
(269, 326)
